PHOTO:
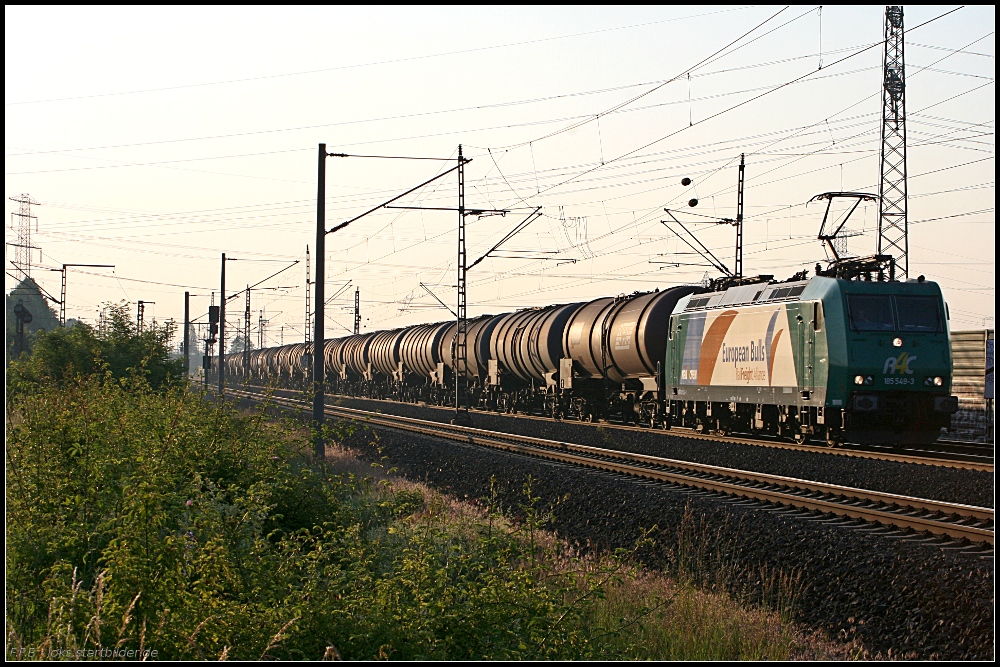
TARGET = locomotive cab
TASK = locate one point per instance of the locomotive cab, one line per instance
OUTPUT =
(894, 380)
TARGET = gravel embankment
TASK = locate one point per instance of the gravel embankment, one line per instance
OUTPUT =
(899, 597)
(936, 482)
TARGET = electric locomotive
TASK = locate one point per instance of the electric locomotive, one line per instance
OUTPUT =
(865, 362)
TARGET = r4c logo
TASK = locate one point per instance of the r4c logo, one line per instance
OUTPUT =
(900, 364)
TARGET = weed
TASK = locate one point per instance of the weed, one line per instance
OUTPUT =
(142, 520)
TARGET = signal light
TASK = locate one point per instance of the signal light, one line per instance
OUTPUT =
(897, 342)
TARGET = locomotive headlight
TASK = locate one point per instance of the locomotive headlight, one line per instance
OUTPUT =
(869, 380)
(859, 379)
(897, 342)
(938, 382)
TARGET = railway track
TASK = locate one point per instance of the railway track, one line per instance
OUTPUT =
(946, 454)
(957, 521)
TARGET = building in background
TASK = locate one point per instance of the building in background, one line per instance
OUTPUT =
(972, 382)
(42, 317)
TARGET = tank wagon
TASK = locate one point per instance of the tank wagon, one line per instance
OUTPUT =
(824, 357)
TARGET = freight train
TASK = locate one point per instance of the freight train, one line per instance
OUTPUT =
(822, 358)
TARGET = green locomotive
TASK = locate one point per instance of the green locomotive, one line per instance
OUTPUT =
(859, 361)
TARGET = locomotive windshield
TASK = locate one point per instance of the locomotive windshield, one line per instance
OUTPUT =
(875, 312)
(871, 312)
(918, 313)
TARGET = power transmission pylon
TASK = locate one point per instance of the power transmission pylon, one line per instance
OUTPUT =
(21, 223)
(892, 221)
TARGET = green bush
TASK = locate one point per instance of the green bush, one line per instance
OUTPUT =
(119, 348)
(142, 519)
(147, 520)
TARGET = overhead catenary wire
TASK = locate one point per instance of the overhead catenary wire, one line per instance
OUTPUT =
(729, 109)
(507, 176)
(371, 64)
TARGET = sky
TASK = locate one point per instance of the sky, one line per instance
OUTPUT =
(156, 139)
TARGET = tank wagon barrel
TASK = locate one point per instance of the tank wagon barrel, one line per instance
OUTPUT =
(529, 343)
(623, 338)
(356, 354)
(477, 345)
(384, 351)
(420, 348)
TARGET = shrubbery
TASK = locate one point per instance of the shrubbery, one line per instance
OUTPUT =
(119, 348)
(145, 517)
(158, 521)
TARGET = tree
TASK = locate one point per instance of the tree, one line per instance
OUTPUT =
(120, 349)
(240, 344)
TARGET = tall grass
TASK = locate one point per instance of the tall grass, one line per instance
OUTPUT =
(165, 525)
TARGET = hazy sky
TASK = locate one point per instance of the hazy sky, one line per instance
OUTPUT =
(157, 138)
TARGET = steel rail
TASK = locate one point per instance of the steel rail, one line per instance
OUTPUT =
(973, 462)
(921, 514)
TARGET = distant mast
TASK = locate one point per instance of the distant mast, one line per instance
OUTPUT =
(21, 222)
(308, 326)
(892, 220)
